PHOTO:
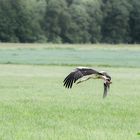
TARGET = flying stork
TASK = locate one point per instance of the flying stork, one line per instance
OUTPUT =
(81, 74)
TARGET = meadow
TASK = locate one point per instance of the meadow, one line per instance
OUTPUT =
(34, 105)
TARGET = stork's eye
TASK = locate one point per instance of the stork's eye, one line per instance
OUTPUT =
(108, 79)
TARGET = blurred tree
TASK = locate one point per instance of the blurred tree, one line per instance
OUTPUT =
(28, 30)
(95, 20)
(36, 9)
(7, 22)
(78, 24)
(55, 11)
(65, 22)
(69, 2)
(135, 21)
(115, 28)
(70, 21)
(17, 23)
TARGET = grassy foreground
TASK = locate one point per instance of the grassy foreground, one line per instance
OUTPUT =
(35, 106)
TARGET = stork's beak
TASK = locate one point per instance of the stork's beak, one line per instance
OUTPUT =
(108, 81)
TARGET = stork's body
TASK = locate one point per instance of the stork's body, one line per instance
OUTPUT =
(81, 74)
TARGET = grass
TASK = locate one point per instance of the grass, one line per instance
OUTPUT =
(72, 55)
(34, 104)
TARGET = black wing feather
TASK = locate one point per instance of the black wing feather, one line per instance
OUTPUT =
(77, 74)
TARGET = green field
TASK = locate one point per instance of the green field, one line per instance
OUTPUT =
(34, 105)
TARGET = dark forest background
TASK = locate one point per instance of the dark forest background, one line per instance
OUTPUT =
(70, 21)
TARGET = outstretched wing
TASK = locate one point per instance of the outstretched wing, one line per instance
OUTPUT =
(106, 89)
(77, 74)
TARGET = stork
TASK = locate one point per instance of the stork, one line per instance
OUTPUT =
(81, 74)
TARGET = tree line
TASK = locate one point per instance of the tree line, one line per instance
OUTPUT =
(70, 21)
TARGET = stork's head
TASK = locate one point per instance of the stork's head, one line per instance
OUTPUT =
(105, 77)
